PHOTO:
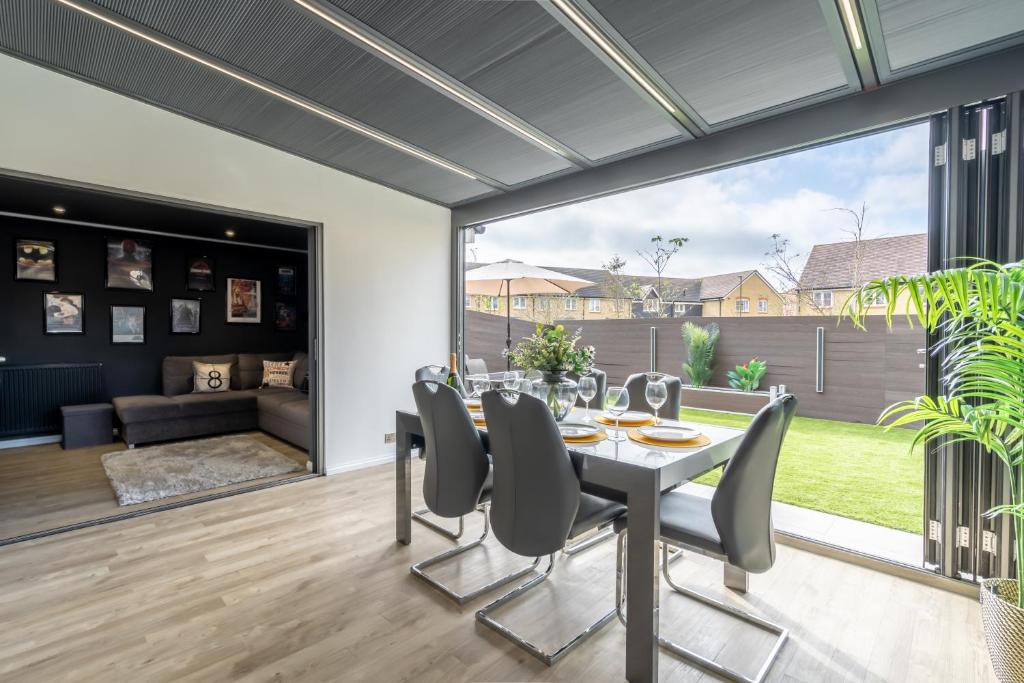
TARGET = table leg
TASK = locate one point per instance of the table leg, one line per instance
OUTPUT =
(403, 484)
(642, 581)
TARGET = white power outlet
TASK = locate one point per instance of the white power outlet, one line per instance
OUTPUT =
(389, 437)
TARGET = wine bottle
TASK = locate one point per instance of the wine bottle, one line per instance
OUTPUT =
(453, 371)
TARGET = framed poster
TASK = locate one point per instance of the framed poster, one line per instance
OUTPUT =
(285, 281)
(63, 313)
(129, 264)
(185, 316)
(127, 324)
(35, 260)
(200, 274)
(244, 301)
(285, 317)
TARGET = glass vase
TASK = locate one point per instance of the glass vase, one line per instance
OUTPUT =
(557, 391)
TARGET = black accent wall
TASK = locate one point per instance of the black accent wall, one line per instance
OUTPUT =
(135, 369)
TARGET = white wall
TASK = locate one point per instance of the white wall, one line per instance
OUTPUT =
(386, 253)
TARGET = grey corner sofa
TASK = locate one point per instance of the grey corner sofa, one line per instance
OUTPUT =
(179, 413)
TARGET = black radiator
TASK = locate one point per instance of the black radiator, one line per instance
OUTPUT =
(31, 395)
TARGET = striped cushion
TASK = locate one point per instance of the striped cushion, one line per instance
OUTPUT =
(278, 373)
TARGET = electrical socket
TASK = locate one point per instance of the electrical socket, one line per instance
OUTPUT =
(389, 437)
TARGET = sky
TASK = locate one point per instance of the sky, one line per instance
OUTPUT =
(729, 215)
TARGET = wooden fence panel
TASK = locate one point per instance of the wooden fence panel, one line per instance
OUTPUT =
(864, 371)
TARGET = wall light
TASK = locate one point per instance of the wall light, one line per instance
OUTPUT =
(229, 233)
(851, 24)
(279, 94)
(59, 210)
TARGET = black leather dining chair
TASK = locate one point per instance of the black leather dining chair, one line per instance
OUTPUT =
(734, 525)
(439, 373)
(536, 503)
(457, 479)
(636, 385)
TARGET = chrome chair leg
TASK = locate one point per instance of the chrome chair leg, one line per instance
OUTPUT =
(601, 536)
(421, 517)
(549, 658)
(462, 598)
(689, 655)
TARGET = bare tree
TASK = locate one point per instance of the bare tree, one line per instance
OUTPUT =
(618, 286)
(659, 255)
(856, 234)
(782, 262)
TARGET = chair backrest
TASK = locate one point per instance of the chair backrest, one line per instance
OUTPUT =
(637, 386)
(536, 491)
(476, 366)
(742, 503)
(602, 388)
(457, 462)
(439, 373)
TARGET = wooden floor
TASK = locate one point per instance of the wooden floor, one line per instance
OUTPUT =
(304, 582)
(45, 487)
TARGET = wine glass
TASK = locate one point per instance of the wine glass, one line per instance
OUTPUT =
(656, 394)
(616, 402)
(588, 391)
(510, 380)
(480, 384)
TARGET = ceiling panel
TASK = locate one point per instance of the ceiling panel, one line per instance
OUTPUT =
(280, 42)
(917, 31)
(730, 58)
(71, 42)
(517, 55)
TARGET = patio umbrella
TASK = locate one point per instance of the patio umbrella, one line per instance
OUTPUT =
(510, 278)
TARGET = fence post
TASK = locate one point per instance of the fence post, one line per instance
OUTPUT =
(654, 348)
(819, 361)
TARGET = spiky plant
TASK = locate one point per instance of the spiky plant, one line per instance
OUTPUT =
(700, 352)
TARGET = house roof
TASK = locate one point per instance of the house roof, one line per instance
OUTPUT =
(673, 289)
(833, 266)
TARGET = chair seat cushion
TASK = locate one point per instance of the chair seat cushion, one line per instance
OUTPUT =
(287, 404)
(485, 492)
(594, 512)
(686, 519)
(192, 405)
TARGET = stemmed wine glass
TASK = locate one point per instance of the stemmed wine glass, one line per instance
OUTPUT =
(587, 390)
(617, 402)
(510, 380)
(480, 384)
(656, 394)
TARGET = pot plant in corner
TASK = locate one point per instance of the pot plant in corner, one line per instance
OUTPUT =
(553, 353)
(747, 377)
(979, 313)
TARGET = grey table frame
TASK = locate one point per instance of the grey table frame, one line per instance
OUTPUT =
(642, 486)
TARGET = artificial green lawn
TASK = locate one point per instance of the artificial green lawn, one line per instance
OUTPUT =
(854, 470)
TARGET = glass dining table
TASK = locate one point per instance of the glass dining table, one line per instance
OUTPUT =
(637, 471)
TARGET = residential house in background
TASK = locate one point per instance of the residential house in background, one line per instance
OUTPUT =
(637, 296)
(833, 271)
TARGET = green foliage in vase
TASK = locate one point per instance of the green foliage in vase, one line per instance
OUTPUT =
(700, 352)
(978, 313)
(747, 377)
(551, 349)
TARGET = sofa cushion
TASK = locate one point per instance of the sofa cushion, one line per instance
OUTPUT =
(177, 372)
(211, 378)
(192, 405)
(250, 367)
(301, 368)
(293, 407)
(145, 408)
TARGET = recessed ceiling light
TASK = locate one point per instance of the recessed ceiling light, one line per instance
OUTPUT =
(59, 210)
(229, 233)
(851, 24)
(279, 94)
(424, 73)
(616, 55)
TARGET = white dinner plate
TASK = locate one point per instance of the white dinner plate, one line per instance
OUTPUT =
(577, 429)
(669, 433)
(476, 415)
(472, 403)
(628, 416)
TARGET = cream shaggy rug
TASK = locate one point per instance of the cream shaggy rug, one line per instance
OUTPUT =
(144, 474)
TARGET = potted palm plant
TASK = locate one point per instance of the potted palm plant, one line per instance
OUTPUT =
(979, 311)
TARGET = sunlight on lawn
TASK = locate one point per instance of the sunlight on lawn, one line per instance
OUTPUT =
(854, 470)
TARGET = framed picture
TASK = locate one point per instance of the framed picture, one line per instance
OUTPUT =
(244, 301)
(285, 281)
(285, 317)
(185, 316)
(129, 264)
(35, 260)
(127, 324)
(63, 313)
(200, 274)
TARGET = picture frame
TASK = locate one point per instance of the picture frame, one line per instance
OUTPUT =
(244, 301)
(129, 264)
(285, 317)
(186, 316)
(63, 313)
(286, 281)
(127, 324)
(200, 274)
(35, 260)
